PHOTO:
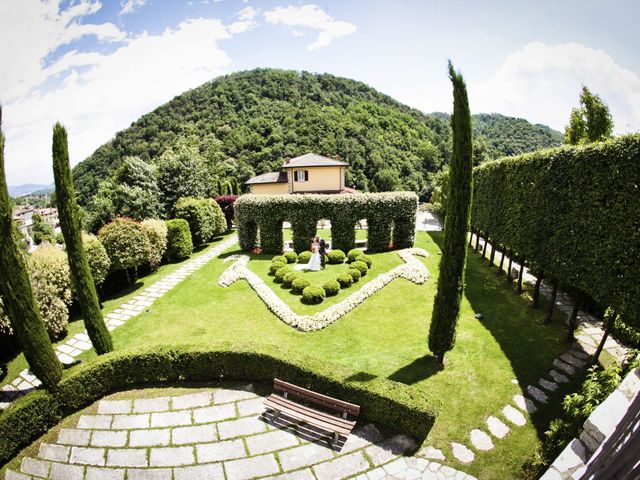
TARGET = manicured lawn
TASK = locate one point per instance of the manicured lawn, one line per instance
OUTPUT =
(386, 336)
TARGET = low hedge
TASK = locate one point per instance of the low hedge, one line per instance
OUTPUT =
(280, 273)
(353, 254)
(336, 257)
(331, 288)
(304, 257)
(280, 258)
(360, 266)
(345, 280)
(288, 279)
(275, 266)
(179, 244)
(299, 284)
(383, 401)
(366, 259)
(313, 295)
(355, 274)
(291, 257)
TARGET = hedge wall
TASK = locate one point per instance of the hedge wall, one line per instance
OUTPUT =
(391, 218)
(382, 400)
(571, 212)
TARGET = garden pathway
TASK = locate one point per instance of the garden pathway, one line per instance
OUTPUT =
(79, 343)
(215, 434)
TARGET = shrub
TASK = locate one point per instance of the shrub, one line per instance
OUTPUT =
(299, 284)
(227, 203)
(336, 257)
(280, 273)
(331, 288)
(304, 257)
(382, 401)
(156, 231)
(291, 257)
(51, 282)
(385, 212)
(99, 262)
(126, 243)
(275, 266)
(288, 279)
(353, 254)
(361, 266)
(355, 274)
(280, 258)
(179, 243)
(366, 259)
(345, 280)
(313, 295)
(206, 220)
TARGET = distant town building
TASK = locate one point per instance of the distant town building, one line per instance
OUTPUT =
(23, 215)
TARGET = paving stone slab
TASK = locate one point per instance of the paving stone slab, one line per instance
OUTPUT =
(462, 453)
(56, 453)
(537, 394)
(215, 413)
(149, 474)
(171, 419)
(247, 468)
(195, 434)
(432, 453)
(94, 473)
(63, 471)
(305, 474)
(253, 406)
(226, 395)
(106, 438)
(480, 440)
(31, 466)
(72, 436)
(270, 442)
(342, 467)
(548, 385)
(87, 456)
(362, 437)
(571, 360)
(157, 437)
(11, 475)
(127, 457)
(389, 449)
(216, 452)
(565, 367)
(199, 472)
(514, 416)
(133, 421)
(497, 428)
(148, 405)
(558, 377)
(579, 354)
(171, 456)
(241, 427)
(95, 421)
(191, 400)
(304, 456)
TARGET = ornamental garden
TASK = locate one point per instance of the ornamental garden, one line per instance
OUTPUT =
(468, 358)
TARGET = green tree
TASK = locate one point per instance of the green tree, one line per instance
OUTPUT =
(126, 244)
(78, 264)
(387, 180)
(99, 262)
(17, 295)
(42, 231)
(156, 231)
(204, 216)
(136, 194)
(181, 174)
(591, 122)
(446, 308)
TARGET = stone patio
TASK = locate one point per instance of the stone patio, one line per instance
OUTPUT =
(216, 434)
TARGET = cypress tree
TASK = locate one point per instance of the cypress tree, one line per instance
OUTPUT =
(446, 307)
(78, 263)
(18, 295)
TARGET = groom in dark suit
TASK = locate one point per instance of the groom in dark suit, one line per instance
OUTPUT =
(323, 252)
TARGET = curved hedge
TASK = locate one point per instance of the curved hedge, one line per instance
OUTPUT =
(382, 400)
(391, 218)
(571, 212)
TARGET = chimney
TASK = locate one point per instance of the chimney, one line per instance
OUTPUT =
(338, 158)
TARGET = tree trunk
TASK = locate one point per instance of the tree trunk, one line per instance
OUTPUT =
(504, 249)
(608, 323)
(552, 302)
(477, 240)
(573, 321)
(471, 239)
(492, 257)
(509, 277)
(520, 275)
(484, 249)
(536, 290)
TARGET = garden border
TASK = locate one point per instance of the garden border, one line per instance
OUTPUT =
(382, 400)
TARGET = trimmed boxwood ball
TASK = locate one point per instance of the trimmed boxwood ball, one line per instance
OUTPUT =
(313, 295)
(366, 259)
(355, 274)
(275, 266)
(280, 258)
(360, 265)
(291, 257)
(331, 288)
(353, 254)
(288, 278)
(336, 257)
(345, 280)
(281, 272)
(304, 257)
(299, 284)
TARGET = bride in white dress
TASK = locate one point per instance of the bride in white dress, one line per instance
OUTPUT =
(314, 264)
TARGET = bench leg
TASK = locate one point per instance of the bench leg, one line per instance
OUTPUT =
(336, 436)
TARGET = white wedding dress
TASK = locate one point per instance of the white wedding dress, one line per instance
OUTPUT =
(314, 264)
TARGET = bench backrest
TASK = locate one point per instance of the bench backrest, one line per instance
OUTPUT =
(315, 397)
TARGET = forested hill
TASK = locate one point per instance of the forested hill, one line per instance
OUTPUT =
(244, 124)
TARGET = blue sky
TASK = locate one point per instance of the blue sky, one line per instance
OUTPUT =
(97, 66)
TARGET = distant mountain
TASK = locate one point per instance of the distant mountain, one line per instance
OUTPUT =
(246, 123)
(30, 189)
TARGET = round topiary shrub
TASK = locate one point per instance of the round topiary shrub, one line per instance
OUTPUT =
(313, 295)
(288, 279)
(345, 280)
(280, 258)
(275, 266)
(355, 274)
(299, 284)
(336, 257)
(360, 265)
(366, 259)
(280, 273)
(304, 257)
(353, 254)
(179, 243)
(331, 288)
(291, 257)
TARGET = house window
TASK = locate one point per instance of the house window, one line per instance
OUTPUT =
(302, 175)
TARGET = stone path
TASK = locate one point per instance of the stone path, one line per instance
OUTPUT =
(216, 434)
(79, 343)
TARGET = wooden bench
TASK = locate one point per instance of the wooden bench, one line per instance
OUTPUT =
(325, 421)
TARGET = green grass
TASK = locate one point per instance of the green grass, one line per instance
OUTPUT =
(386, 336)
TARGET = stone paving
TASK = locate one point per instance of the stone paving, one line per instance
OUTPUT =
(216, 434)
(79, 343)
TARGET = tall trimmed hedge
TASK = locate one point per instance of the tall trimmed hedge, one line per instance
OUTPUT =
(204, 216)
(382, 400)
(572, 212)
(179, 243)
(391, 218)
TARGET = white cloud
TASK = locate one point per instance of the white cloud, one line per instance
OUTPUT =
(246, 20)
(310, 16)
(542, 83)
(94, 94)
(130, 6)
